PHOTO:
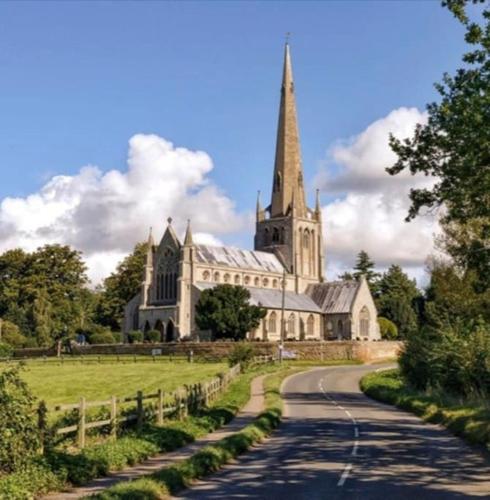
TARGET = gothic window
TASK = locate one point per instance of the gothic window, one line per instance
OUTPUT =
(206, 275)
(216, 277)
(257, 281)
(166, 278)
(306, 239)
(272, 322)
(291, 323)
(226, 278)
(310, 325)
(364, 322)
(247, 280)
(275, 235)
(265, 281)
(237, 279)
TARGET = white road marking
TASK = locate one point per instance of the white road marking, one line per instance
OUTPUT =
(344, 475)
(354, 449)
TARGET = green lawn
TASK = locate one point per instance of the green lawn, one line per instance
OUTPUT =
(68, 382)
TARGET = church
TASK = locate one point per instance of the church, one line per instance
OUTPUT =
(284, 273)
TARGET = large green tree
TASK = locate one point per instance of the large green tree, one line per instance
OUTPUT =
(226, 312)
(454, 147)
(120, 287)
(364, 266)
(398, 296)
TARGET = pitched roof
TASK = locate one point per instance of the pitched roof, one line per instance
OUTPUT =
(238, 259)
(335, 296)
(272, 298)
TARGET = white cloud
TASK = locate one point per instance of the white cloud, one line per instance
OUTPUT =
(105, 214)
(370, 206)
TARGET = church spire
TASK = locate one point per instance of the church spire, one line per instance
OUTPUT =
(288, 171)
(188, 235)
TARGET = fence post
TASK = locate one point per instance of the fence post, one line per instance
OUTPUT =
(113, 417)
(185, 401)
(160, 407)
(206, 394)
(81, 423)
(139, 401)
(177, 405)
(42, 424)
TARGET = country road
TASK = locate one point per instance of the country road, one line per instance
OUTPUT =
(337, 443)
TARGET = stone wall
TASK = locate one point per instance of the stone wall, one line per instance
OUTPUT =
(308, 350)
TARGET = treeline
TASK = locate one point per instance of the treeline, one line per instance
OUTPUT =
(45, 297)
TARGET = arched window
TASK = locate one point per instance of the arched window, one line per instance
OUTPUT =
(275, 235)
(272, 322)
(247, 280)
(237, 279)
(292, 324)
(364, 322)
(170, 335)
(216, 277)
(265, 281)
(136, 319)
(160, 327)
(206, 275)
(166, 278)
(257, 281)
(226, 278)
(274, 283)
(310, 325)
(306, 239)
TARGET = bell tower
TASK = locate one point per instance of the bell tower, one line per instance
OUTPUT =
(287, 227)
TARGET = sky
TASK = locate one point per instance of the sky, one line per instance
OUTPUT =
(117, 115)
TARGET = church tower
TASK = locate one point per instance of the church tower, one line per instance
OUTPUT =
(287, 227)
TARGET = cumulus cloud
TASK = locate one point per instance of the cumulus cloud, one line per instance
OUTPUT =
(104, 214)
(369, 206)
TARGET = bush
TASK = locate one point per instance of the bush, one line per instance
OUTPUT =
(135, 336)
(11, 334)
(6, 350)
(242, 353)
(19, 437)
(102, 338)
(152, 336)
(387, 328)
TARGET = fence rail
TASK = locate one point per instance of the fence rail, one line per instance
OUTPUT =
(177, 404)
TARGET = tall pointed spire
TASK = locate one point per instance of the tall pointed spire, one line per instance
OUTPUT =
(188, 235)
(288, 171)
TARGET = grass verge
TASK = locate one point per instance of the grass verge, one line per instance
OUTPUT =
(168, 481)
(467, 419)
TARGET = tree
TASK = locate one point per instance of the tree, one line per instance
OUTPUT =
(225, 310)
(363, 266)
(120, 287)
(397, 299)
(387, 328)
(454, 148)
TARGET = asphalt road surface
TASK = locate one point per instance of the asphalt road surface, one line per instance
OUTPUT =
(336, 443)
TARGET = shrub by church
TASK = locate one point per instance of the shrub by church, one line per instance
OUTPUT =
(288, 245)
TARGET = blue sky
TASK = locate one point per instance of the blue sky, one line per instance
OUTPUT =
(79, 79)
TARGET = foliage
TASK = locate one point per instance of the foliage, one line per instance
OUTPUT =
(469, 419)
(106, 337)
(6, 350)
(135, 337)
(398, 296)
(19, 440)
(43, 292)
(242, 353)
(31, 481)
(454, 148)
(455, 359)
(364, 266)
(225, 310)
(120, 287)
(10, 334)
(152, 336)
(387, 328)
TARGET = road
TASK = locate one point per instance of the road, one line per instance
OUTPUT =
(335, 443)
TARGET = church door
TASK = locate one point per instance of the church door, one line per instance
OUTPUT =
(169, 337)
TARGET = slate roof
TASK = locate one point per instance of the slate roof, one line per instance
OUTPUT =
(272, 299)
(238, 258)
(334, 297)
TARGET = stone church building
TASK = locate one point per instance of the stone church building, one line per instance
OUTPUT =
(288, 246)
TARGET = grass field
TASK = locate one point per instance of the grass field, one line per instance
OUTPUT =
(66, 383)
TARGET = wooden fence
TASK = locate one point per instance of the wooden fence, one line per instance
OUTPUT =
(160, 405)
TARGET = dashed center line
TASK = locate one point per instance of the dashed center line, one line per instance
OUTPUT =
(348, 467)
